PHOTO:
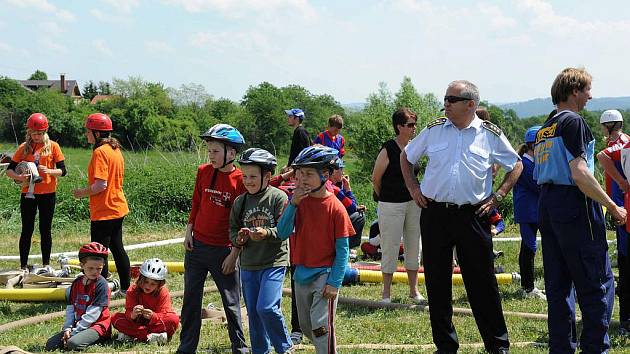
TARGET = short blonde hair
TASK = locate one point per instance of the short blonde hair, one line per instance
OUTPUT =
(568, 80)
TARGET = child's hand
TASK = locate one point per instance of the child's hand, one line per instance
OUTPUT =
(188, 239)
(330, 292)
(147, 313)
(298, 195)
(258, 234)
(242, 236)
(43, 169)
(229, 263)
(137, 311)
(66, 336)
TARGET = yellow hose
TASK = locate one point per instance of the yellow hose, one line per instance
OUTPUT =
(35, 294)
(173, 267)
(372, 276)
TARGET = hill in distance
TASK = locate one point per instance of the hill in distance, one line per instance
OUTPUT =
(541, 106)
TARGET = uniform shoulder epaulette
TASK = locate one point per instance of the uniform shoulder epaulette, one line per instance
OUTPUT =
(436, 122)
(493, 128)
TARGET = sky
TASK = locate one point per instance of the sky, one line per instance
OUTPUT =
(512, 49)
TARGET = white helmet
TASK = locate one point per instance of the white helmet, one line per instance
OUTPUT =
(154, 269)
(611, 115)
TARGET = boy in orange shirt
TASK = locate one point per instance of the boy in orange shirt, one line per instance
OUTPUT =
(320, 251)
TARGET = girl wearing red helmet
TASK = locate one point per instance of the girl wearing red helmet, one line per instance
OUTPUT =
(108, 205)
(49, 160)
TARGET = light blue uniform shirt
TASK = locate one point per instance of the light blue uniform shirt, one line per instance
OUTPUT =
(460, 161)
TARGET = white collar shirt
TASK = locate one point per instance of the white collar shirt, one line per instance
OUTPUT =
(460, 161)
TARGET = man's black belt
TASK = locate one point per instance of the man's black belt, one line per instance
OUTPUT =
(452, 206)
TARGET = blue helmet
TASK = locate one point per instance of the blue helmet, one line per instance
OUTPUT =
(318, 157)
(296, 112)
(224, 133)
(530, 134)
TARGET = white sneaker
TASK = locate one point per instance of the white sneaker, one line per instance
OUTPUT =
(536, 293)
(296, 337)
(159, 338)
(123, 337)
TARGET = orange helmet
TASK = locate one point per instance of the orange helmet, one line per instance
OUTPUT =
(99, 121)
(37, 121)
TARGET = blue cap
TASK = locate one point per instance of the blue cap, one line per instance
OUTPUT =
(530, 134)
(296, 112)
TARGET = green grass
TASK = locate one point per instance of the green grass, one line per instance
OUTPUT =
(174, 173)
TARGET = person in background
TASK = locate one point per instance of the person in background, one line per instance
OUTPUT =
(526, 193)
(398, 214)
(108, 205)
(49, 160)
(331, 136)
(300, 138)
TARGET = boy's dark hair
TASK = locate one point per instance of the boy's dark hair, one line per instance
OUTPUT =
(400, 117)
(91, 258)
(483, 113)
(335, 121)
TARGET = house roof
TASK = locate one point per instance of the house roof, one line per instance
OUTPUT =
(71, 89)
(98, 98)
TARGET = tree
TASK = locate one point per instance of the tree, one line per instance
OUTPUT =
(38, 75)
(104, 88)
(89, 90)
(189, 94)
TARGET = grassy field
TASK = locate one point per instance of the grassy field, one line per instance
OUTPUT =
(154, 176)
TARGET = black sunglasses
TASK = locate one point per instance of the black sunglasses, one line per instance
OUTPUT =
(455, 99)
(410, 125)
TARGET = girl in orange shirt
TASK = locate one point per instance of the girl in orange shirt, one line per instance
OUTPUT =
(47, 156)
(108, 205)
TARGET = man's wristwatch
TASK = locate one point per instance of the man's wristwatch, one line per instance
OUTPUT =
(498, 196)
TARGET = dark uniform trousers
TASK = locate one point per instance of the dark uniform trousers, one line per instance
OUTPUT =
(575, 257)
(442, 229)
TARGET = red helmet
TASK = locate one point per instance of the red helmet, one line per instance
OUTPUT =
(99, 121)
(37, 121)
(93, 249)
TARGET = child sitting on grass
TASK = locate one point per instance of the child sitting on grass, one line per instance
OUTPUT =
(87, 313)
(149, 315)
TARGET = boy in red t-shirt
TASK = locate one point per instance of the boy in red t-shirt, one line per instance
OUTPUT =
(87, 313)
(320, 251)
(207, 240)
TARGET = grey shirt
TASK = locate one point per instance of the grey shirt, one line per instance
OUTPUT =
(260, 210)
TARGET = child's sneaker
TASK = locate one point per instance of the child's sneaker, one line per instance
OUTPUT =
(296, 337)
(123, 337)
(159, 338)
(536, 293)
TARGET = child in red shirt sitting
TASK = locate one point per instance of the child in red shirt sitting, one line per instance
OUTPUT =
(149, 315)
(87, 313)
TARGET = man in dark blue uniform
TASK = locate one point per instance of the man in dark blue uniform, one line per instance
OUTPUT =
(575, 251)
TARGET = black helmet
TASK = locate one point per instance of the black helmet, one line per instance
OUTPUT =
(260, 157)
(318, 157)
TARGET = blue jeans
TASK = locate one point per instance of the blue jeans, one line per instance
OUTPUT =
(262, 290)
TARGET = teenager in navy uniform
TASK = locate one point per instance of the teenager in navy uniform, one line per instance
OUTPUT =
(456, 194)
(575, 252)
